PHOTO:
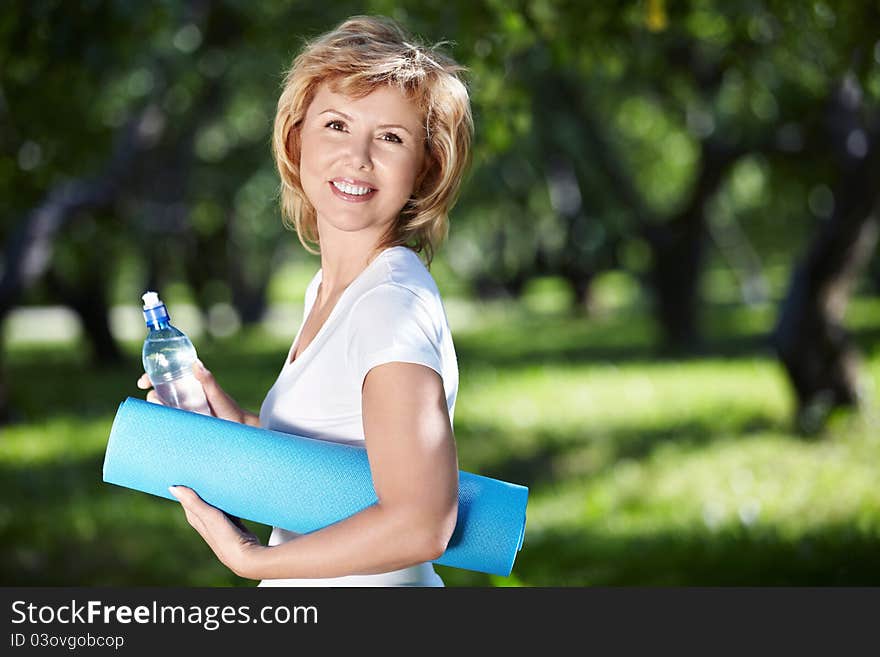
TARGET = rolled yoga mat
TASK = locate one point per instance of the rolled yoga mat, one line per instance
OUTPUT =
(297, 483)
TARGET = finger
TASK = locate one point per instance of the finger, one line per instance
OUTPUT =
(144, 382)
(152, 396)
(180, 493)
(205, 514)
(185, 495)
(191, 501)
(222, 404)
(209, 383)
(202, 373)
(194, 521)
(216, 527)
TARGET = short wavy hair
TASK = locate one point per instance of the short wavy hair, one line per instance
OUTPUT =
(358, 56)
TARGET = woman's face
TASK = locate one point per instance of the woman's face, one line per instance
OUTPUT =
(360, 158)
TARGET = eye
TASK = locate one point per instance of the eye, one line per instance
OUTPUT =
(392, 137)
(335, 124)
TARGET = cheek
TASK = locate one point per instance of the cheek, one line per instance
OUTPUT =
(311, 174)
(408, 173)
(306, 153)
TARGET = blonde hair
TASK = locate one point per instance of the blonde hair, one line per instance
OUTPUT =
(359, 55)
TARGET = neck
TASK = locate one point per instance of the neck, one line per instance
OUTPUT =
(343, 257)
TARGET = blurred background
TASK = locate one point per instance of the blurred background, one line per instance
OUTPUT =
(661, 275)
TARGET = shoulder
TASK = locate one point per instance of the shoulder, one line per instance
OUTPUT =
(404, 267)
(400, 281)
(400, 299)
(397, 316)
(391, 303)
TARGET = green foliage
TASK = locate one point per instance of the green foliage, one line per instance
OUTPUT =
(550, 81)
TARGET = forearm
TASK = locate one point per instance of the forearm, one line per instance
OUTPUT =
(375, 540)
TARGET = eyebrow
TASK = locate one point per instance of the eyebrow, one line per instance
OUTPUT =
(348, 118)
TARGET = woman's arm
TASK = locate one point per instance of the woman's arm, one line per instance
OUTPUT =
(411, 450)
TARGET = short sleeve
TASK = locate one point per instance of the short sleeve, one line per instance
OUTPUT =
(391, 323)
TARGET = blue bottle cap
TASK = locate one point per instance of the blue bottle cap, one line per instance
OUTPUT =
(155, 313)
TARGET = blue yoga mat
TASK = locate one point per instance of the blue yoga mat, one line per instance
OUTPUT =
(299, 484)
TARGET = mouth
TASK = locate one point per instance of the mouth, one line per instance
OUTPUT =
(353, 191)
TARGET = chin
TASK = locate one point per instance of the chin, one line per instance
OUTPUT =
(352, 222)
(351, 226)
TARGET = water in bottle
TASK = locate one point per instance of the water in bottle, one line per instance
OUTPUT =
(168, 359)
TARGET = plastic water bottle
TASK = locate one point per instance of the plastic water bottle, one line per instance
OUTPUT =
(168, 359)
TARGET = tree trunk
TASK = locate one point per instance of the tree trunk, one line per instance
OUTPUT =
(249, 292)
(497, 281)
(677, 251)
(822, 362)
(678, 246)
(577, 262)
(250, 302)
(88, 298)
(818, 354)
(580, 284)
(5, 407)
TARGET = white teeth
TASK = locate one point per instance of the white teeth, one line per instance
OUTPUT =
(351, 189)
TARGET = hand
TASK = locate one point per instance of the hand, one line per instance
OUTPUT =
(222, 405)
(235, 545)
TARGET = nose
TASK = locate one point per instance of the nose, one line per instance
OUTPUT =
(360, 156)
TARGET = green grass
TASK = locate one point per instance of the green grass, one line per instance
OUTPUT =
(643, 470)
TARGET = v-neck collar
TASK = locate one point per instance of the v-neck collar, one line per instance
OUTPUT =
(288, 364)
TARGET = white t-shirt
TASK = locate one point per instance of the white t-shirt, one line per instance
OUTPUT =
(391, 312)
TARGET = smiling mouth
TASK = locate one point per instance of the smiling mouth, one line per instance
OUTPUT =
(354, 190)
(354, 193)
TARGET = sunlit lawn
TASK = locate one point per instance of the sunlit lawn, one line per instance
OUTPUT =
(643, 470)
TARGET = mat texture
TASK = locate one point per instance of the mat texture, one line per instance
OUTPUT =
(296, 483)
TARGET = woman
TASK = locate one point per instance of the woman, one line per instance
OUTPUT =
(371, 139)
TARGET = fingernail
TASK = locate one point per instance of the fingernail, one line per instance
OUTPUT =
(173, 490)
